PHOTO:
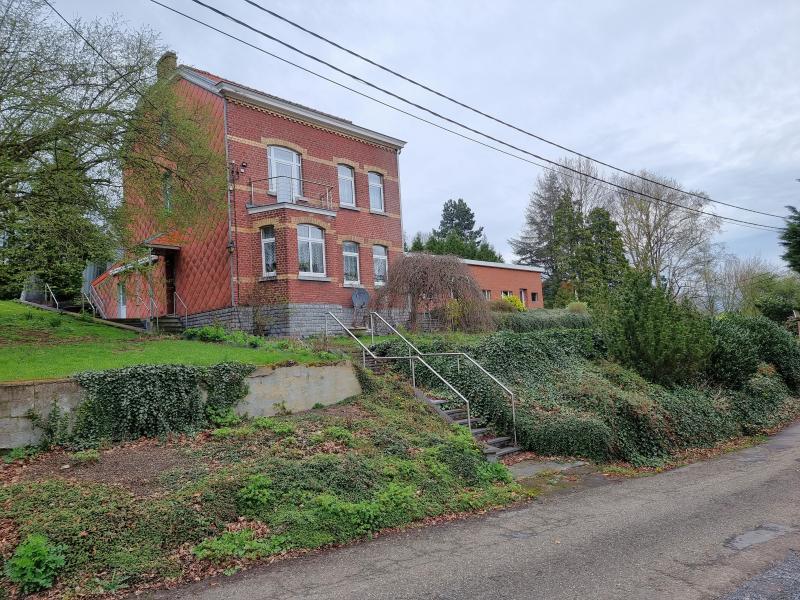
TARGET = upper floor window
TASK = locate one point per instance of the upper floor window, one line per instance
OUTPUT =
(375, 191)
(268, 258)
(285, 173)
(380, 264)
(347, 187)
(311, 249)
(351, 266)
(166, 189)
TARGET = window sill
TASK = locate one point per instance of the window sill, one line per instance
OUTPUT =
(352, 284)
(379, 284)
(379, 212)
(348, 207)
(307, 277)
(270, 277)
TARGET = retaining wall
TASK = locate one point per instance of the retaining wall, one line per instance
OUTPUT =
(295, 388)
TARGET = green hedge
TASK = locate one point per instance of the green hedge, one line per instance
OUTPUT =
(146, 401)
(543, 318)
(571, 401)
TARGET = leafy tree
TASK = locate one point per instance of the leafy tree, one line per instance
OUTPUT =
(601, 255)
(535, 244)
(790, 239)
(457, 235)
(72, 121)
(646, 329)
(54, 240)
(458, 217)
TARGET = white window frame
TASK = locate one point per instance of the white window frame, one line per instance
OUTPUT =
(309, 240)
(487, 294)
(523, 292)
(506, 293)
(378, 257)
(268, 237)
(351, 254)
(379, 187)
(349, 179)
(296, 165)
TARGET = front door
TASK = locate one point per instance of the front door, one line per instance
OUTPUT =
(169, 275)
(122, 309)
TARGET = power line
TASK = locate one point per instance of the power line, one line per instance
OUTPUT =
(497, 119)
(558, 166)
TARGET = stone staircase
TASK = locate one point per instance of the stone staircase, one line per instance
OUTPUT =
(494, 447)
(170, 324)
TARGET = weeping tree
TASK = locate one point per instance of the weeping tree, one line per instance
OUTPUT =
(425, 283)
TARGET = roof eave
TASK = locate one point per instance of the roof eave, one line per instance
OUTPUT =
(272, 103)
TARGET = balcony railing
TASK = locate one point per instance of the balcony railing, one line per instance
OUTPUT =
(283, 189)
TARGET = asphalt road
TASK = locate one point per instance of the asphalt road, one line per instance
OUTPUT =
(721, 528)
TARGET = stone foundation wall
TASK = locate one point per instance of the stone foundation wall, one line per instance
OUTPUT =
(294, 388)
(296, 320)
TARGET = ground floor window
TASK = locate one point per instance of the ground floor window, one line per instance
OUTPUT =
(311, 250)
(268, 250)
(523, 296)
(534, 296)
(351, 266)
(487, 294)
(505, 293)
(380, 264)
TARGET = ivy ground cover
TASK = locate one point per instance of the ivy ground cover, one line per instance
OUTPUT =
(155, 512)
(37, 344)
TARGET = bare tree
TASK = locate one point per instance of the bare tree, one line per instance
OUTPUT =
(576, 175)
(428, 282)
(665, 236)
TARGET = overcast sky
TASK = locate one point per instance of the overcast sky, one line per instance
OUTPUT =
(705, 92)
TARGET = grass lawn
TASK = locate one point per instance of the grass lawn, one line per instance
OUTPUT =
(38, 344)
(157, 512)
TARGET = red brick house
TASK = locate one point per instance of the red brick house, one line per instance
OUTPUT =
(313, 213)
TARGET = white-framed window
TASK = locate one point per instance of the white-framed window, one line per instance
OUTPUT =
(285, 173)
(347, 185)
(505, 293)
(352, 272)
(166, 189)
(380, 264)
(268, 256)
(523, 296)
(311, 250)
(487, 294)
(375, 191)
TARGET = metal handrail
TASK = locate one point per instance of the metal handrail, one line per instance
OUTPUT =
(325, 197)
(85, 296)
(185, 308)
(98, 301)
(503, 386)
(410, 358)
(49, 289)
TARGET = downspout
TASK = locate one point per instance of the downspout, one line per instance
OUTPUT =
(231, 248)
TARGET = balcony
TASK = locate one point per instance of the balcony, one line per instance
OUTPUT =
(284, 191)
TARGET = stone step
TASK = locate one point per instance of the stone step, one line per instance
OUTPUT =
(475, 420)
(498, 441)
(453, 412)
(507, 450)
(479, 431)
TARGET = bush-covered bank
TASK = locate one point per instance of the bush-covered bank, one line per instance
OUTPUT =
(542, 318)
(573, 401)
(250, 490)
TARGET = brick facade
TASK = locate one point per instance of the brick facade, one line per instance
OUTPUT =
(521, 281)
(218, 269)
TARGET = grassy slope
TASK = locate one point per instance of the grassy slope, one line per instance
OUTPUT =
(36, 344)
(249, 491)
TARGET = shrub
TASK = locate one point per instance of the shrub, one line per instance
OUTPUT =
(565, 433)
(513, 302)
(578, 308)
(35, 563)
(237, 544)
(665, 341)
(276, 426)
(734, 358)
(774, 345)
(255, 497)
(218, 334)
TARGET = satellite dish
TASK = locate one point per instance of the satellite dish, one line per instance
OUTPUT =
(360, 298)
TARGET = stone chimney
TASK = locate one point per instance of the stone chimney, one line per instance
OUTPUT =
(167, 64)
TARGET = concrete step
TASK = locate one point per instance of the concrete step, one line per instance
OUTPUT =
(498, 441)
(507, 450)
(475, 421)
(479, 431)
